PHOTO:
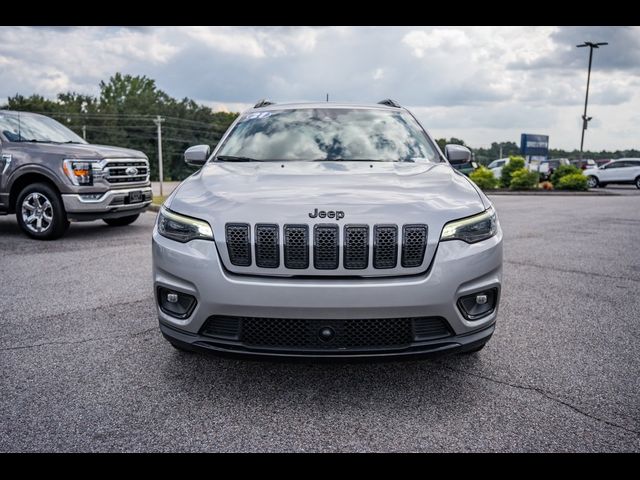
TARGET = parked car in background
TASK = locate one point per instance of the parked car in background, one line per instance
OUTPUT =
(584, 163)
(602, 161)
(496, 166)
(622, 170)
(49, 175)
(545, 168)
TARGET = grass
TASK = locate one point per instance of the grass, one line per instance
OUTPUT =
(159, 200)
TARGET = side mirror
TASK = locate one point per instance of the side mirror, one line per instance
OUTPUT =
(197, 155)
(457, 153)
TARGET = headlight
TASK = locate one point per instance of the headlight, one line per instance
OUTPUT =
(78, 171)
(182, 229)
(472, 229)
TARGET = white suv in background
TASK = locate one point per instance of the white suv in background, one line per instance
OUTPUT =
(496, 166)
(622, 170)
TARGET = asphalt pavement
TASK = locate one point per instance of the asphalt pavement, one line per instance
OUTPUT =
(83, 366)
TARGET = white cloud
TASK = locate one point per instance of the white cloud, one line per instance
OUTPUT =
(481, 84)
(420, 41)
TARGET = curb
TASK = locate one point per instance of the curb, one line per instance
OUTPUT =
(552, 193)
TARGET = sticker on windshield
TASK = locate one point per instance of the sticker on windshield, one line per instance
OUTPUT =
(255, 115)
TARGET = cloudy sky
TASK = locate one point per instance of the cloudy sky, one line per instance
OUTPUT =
(481, 84)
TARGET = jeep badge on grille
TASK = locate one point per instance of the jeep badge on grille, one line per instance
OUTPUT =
(337, 214)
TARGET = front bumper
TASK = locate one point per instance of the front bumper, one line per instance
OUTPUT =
(458, 269)
(111, 204)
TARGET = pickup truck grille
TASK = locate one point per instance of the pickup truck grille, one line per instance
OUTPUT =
(327, 245)
(115, 171)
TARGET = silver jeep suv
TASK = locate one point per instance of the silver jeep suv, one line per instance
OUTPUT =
(327, 230)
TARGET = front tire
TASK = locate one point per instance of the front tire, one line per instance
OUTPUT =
(121, 221)
(40, 212)
(592, 182)
(638, 183)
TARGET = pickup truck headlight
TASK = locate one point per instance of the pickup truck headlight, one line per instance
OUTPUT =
(182, 229)
(78, 171)
(472, 229)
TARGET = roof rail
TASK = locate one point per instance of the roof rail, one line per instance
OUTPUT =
(389, 103)
(263, 103)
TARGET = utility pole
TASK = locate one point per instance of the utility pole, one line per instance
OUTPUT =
(585, 119)
(158, 121)
(500, 150)
(84, 132)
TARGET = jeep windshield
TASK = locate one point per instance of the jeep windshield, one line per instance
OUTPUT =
(25, 127)
(327, 134)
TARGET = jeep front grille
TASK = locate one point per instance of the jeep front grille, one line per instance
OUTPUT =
(296, 246)
(414, 243)
(385, 246)
(115, 171)
(238, 244)
(356, 247)
(325, 247)
(267, 246)
(329, 246)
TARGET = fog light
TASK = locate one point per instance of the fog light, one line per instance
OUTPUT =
(479, 304)
(172, 297)
(176, 304)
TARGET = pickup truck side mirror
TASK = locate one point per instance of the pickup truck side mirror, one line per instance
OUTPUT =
(197, 155)
(457, 153)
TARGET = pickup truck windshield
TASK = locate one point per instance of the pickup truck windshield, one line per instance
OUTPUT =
(328, 134)
(35, 128)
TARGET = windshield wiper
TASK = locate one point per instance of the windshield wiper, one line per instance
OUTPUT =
(234, 158)
(35, 140)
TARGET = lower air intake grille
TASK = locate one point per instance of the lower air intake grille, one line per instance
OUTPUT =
(356, 247)
(238, 244)
(267, 248)
(385, 246)
(305, 334)
(325, 248)
(414, 243)
(296, 246)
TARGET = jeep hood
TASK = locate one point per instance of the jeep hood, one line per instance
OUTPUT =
(367, 192)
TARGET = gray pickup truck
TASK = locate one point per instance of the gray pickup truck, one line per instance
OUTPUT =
(49, 175)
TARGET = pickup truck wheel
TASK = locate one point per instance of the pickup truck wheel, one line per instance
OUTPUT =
(121, 221)
(638, 183)
(40, 212)
(592, 182)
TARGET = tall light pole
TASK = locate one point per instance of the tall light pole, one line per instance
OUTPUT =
(586, 119)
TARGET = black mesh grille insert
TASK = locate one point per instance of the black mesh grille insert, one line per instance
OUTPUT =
(325, 247)
(347, 334)
(414, 243)
(429, 328)
(296, 246)
(222, 327)
(267, 248)
(238, 244)
(385, 246)
(356, 247)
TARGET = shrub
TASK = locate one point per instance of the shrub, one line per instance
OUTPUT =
(546, 185)
(563, 170)
(573, 181)
(514, 163)
(523, 179)
(483, 177)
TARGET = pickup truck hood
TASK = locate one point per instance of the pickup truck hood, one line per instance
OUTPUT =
(286, 193)
(78, 150)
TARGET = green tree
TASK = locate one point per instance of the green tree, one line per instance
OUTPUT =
(523, 179)
(562, 171)
(514, 163)
(483, 177)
